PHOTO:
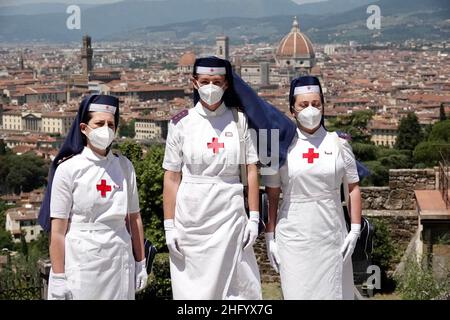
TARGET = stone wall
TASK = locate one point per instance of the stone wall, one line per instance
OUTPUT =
(399, 195)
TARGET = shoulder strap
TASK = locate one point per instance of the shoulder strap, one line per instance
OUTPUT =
(123, 166)
(180, 115)
(344, 180)
(240, 122)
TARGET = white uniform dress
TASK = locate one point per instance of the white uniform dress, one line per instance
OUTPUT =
(92, 192)
(210, 215)
(310, 226)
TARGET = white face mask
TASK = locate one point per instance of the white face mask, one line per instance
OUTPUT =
(210, 93)
(310, 117)
(101, 138)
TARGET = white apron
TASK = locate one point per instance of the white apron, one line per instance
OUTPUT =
(210, 215)
(99, 262)
(311, 226)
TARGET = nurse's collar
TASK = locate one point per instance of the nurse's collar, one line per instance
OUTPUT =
(208, 113)
(91, 155)
(319, 133)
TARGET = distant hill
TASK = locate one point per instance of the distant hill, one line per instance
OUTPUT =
(332, 6)
(131, 14)
(399, 22)
(251, 20)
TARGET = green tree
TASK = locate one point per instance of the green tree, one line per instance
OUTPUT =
(354, 124)
(442, 116)
(22, 173)
(6, 240)
(4, 170)
(394, 159)
(150, 177)
(384, 251)
(15, 180)
(379, 174)
(39, 247)
(427, 131)
(431, 151)
(440, 131)
(131, 150)
(154, 231)
(364, 151)
(3, 208)
(409, 133)
(2, 147)
(23, 245)
(127, 129)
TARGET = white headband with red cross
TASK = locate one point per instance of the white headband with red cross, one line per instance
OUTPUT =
(306, 89)
(97, 107)
(211, 71)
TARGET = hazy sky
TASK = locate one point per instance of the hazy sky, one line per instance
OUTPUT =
(18, 2)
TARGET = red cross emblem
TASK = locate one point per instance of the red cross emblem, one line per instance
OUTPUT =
(311, 155)
(103, 188)
(215, 145)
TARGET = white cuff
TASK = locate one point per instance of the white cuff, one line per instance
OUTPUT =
(169, 224)
(140, 263)
(254, 216)
(355, 228)
(269, 236)
(57, 275)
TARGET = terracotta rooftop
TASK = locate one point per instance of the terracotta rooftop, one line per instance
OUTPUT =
(18, 214)
(431, 205)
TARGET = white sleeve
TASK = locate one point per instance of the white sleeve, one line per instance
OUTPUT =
(272, 181)
(133, 194)
(349, 162)
(251, 156)
(61, 195)
(173, 154)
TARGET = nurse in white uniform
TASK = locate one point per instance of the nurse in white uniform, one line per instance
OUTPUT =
(208, 233)
(93, 203)
(307, 238)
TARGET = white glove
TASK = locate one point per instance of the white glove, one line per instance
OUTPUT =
(272, 251)
(172, 238)
(251, 229)
(350, 242)
(140, 273)
(57, 287)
